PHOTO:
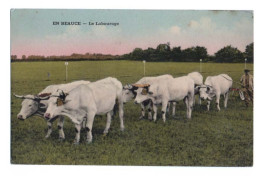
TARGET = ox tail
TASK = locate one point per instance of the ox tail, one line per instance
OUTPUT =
(116, 106)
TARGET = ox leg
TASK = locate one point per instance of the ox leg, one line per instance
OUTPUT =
(173, 108)
(155, 112)
(164, 108)
(168, 107)
(49, 124)
(60, 127)
(150, 117)
(226, 99)
(143, 111)
(84, 122)
(187, 106)
(199, 100)
(121, 115)
(90, 120)
(208, 104)
(190, 105)
(77, 137)
(109, 117)
(217, 101)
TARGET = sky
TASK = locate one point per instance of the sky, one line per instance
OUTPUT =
(33, 32)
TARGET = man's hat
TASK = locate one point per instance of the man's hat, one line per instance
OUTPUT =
(246, 70)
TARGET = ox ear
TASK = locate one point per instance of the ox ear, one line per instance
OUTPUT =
(61, 102)
(212, 92)
(42, 106)
(150, 93)
(128, 86)
(44, 94)
(66, 101)
(196, 89)
(134, 87)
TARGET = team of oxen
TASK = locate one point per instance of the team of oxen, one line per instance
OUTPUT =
(81, 101)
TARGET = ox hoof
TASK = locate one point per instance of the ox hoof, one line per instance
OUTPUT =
(89, 142)
(61, 139)
(47, 136)
(141, 118)
(105, 134)
(75, 143)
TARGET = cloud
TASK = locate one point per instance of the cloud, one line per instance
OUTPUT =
(193, 24)
(205, 24)
(175, 30)
(206, 32)
(70, 32)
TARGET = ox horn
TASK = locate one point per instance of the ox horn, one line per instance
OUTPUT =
(18, 96)
(24, 97)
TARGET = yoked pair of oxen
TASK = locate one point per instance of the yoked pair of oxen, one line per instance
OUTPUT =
(82, 100)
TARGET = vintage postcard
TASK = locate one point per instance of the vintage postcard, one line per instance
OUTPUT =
(132, 87)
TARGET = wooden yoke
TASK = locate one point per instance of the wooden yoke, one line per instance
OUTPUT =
(141, 85)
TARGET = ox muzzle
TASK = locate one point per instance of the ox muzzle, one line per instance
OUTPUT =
(20, 117)
(47, 116)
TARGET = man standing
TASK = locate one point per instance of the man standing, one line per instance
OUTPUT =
(247, 86)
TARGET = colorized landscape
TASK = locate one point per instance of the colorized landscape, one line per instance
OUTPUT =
(211, 138)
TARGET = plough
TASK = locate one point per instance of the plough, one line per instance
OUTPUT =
(241, 94)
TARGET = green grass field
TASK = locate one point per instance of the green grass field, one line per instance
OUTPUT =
(211, 138)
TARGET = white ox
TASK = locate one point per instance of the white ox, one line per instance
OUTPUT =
(86, 101)
(216, 86)
(169, 90)
(37, 105)
(129, 92)
(198, 80)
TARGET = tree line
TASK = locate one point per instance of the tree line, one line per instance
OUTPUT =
(72, 57)
(162, 53)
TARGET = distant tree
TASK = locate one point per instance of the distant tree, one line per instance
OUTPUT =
(23, 57)
(35, 57)
(201, 53)
(194, 54)
(229, 54)
(13, 56)
(163, 52)
(176, 54)
(169, 44)
(249, 53)
(189, 54)
(137, 53)
(163, 47)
